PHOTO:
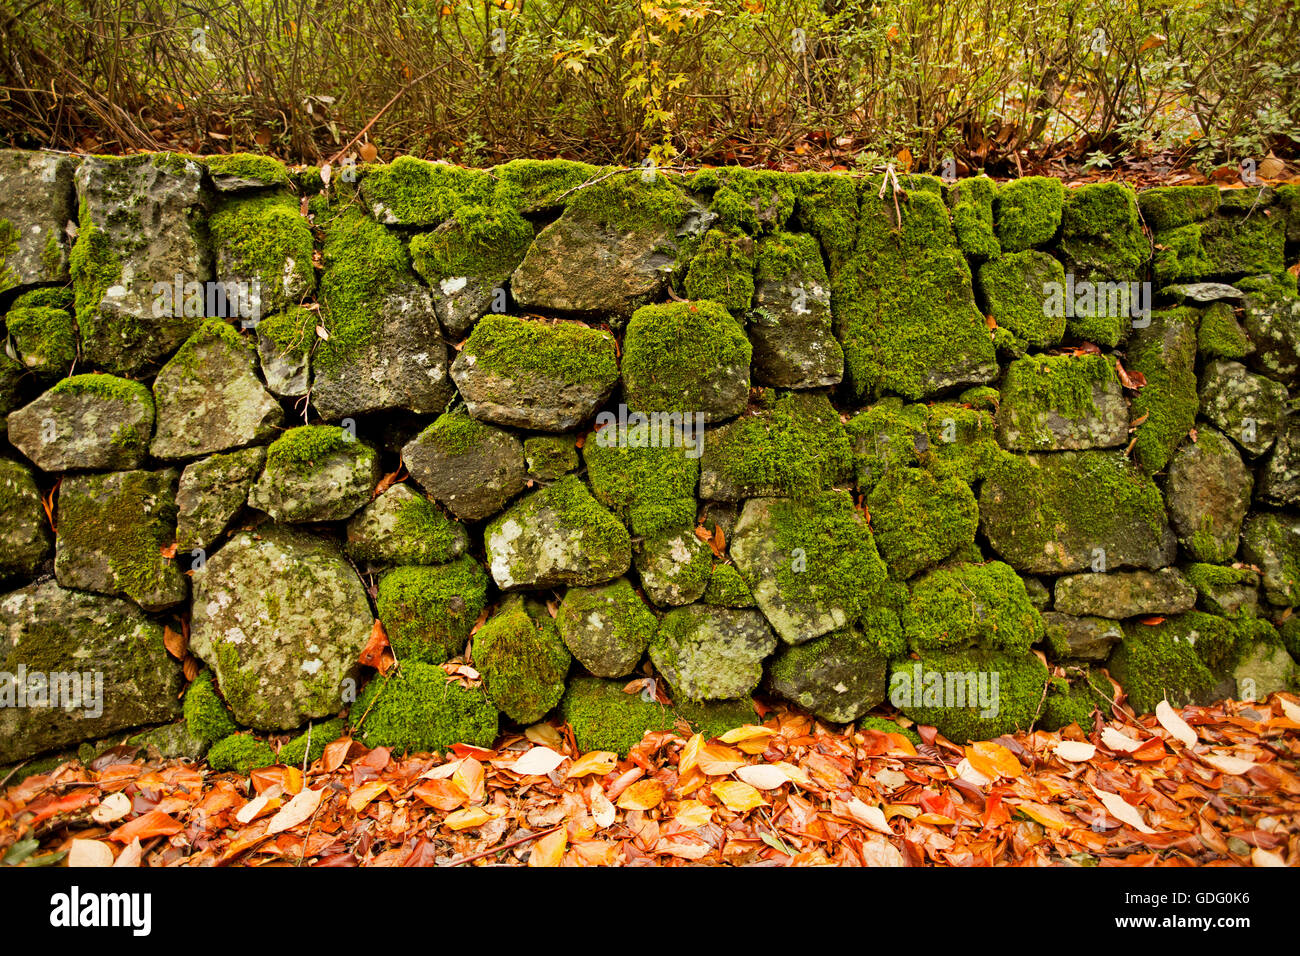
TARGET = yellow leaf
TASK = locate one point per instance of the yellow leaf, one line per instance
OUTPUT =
(361, 797)
(693, 814)
(1049, 817)
(1151, 42)
(747, 732)
(736, 795)
(549, 850)
(599, 762)
(467, 818)
(904, 159)
(690, 755)
(718, 760)
(643, 795)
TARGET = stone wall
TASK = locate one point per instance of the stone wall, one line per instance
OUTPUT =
(959, 449)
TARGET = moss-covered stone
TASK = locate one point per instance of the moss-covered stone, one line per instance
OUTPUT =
(606, 627)
(722, 270)
(603, 717)
(1062, 402)
(418, 707)
(533, 184)
(1072, 700)
(710, 653)
(971, 605)
(1219, 335)
(790, 325)
(1173, 660)
(315, 473)
(648, 484)
(550, 456)
(485, 241)
(86, 422)
(972, 216)
(1208, 491)
(887, 436)
(206, 714)
(1271, 542)
(1223, 590)
(971, 694)
(402, 527)
(241, 753)
(470, 467)
(264, 241)
(754, 200)
(44, 337)
(414, 192)
(242, 170)
(1028, 212)
(919, 520)
(308, 746)
(1168, 207)
(1017, 287)
(522, 658)
(838, 676)
(428, 612)
(1165, 353)
(727, 588)
(1101, 233)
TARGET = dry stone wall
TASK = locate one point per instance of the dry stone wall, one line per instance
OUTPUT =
(980, 454)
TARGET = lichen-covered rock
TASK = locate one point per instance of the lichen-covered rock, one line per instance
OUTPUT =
(402, 527)
(428, 612)
(1165, 353)
(44, 339)
(284, 651)
(606, 627)
(113, 530)
(904, 307)
(674, 568)
(557, 535)
(1272, 319)
(1028, 212)
(315, 473)
(1067, 511)
(284, 350)
(522, 659)
(93, 665)
(710, 653)
(1079, 638)
(790, 324)
(1017, 287)
(35, 208)
(611, 250)
(757, 201)
(1225, 591)
(969, 605)
(1168, 207)
(139, 229)
(796, 447)
(919, 520)
(1238, 239)
(211, 492)
(87, 421)
(1248, 408)
(419, 707)
(1279, 482)
(886, 436)
(687, 357)
(1208, 491)
(415, 192)
(1062, 403)
(971, 694)
(838, 676)
(647, 481)
(811, 564)
(534, 374)
(470, 467)
(264, 242)
(1271, 542)
(1174, 660)
(385, 347)
(549, 457)
(1260, 665)
(209, 398)
(169, 742)
(24, 531)
(1122, 594)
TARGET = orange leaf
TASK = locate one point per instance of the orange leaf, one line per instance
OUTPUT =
(599, 762)
(718, 760)
(144, 827)
(549, 850)
(175, 643)
(364, 794)
(642, 795)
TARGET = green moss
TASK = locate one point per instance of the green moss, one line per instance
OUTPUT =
(1101, 234)
(414, 192)
(46, 338)
(418, 707)
(1166, 354)
(1028, 212)
(308, 746)
(568, 353)
(603, 717)
(1289, 632)
(483, 241)
(727, 588)
(887, 726)
(8, 248)
(455, 433)
(264, 169)
(47, 297)
(428, 612)
(787, 254)
(672, 354)
(972, 217)
(108, 387)
(523, 660)
(265, 238)
(307, 446)
(292, 330)
(629, 202)
(798, 446)
(722, 269)
(753, 200)
(650, 489)
(241, 753)
(919, 520)
(826, 206)
(1219, 335)
(969, 605)
(550, 456)
(206, 715)
(530, 184)
(937, 690)
(1168, 207)
(628, 624)
(95, 267)
(1073, 700)
(1038, 385)
(1223, 247)
(887, 436)
(1173, 660)
(962, 439)
(713, 718)
(1016, 288)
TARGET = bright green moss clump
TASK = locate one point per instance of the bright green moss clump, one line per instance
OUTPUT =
(1073, 701)
(754, 200)
(971, 604)
(887, 726)
(650, 489)
(1168, 207)
(919, 520)
(418, 707)
(523, 659)
(963, 438)
(419, 533)
(484, 241)
(674, 354)
(971, 694)
(265, 238)
(1219, 335)
(428, 611)
(636, 200)
(413, 192)
(529, 184)
(887, 436)
(603, 717)
(550, 456)
(826, 205)
(1028, 212)
(303, 447)
(104, 386)
(1166, 354)
(206, 715)
(45, 337)
(1175, 660)
(568, 353)
(972, 217)
(727, 588)
(310, 744)
(1101, 234)
(1016, 287)
(1038, 386)
(50, 297)
(264, 169)
(722, 270)
(241, 753)
(455, 433)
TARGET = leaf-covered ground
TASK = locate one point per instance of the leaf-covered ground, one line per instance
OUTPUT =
(1217, 786)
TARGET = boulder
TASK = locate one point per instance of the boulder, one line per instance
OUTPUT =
(285, 651)
(606, 627)
(1248, 408)
(1279, 483)
(35, 209)
(1062, 403)
(24, 530)
(1271, 542)
(674, 568)
(1272, 319)
(523, 661)
(1208, 490)
(263, 243)
(429, 612)
(402, 527)
(1080, 638)
(211, 492)
(710, 653)
(838, 676)
(96, 422)
(315, 473)
(790, 327)
(919, 520)
(470, 467)
(1122, 594)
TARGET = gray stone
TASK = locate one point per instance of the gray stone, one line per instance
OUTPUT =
(472, 468)
(606, 627)
(330, 486)
(87, 421)
(24, 530)
(1034, 416)
(170, 742)
(838, 676)
(211, 492)
(285, 649)
(209, 397)
(1208, 492)
(1080, 638)
(1248, 408)
(460, 301)
(674, 568)
(1225, 591)
(403, 527)
(286, 366)
(1202, 292)
(113, 531)
(1263, 668)
(49, 631)
(142, 212)
(35, 209)
(557, 535)
(1272, 319)
(709, 653)
(790, 326)
(1271, 542)
(1122, 594)
(1279, 482)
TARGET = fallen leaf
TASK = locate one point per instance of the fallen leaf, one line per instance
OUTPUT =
(297, 810)
(1075, 751)
(1122, 810)
(1173, 722)
(538, 762)
(643, 795)
(90, 853)
(549, 850)
(112, 808)
(737, 795)
(763, 776)
(599, 762)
